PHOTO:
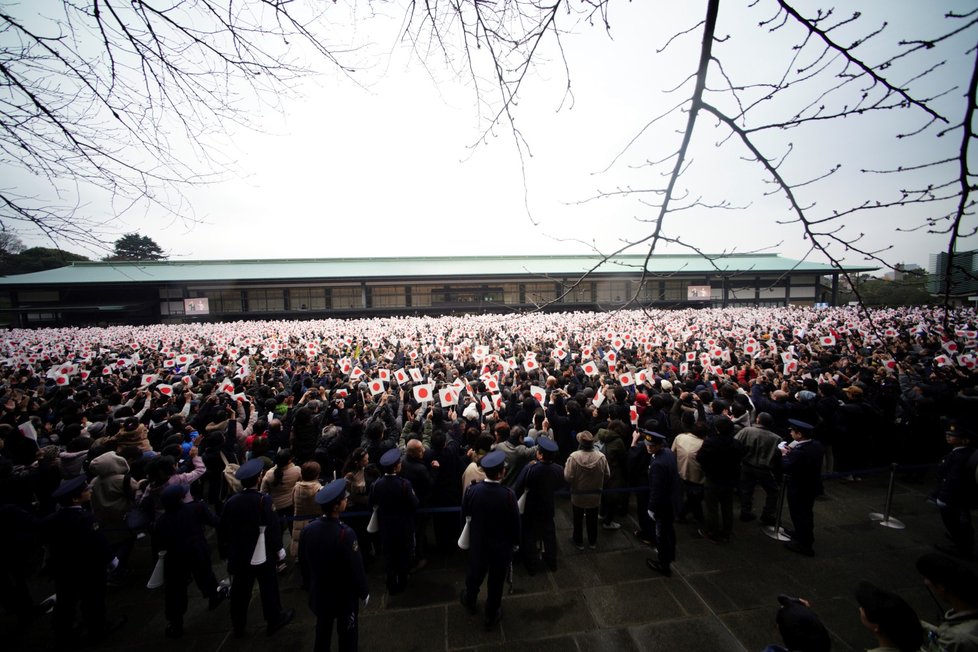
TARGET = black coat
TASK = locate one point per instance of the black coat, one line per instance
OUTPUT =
(331, 566)
(237, 533)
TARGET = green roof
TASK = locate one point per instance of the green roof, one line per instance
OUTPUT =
(340, 269)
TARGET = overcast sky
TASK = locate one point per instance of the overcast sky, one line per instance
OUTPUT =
(390, 164)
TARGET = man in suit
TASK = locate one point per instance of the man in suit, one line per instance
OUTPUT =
(332, 568)
(494, 533)
(801, 461)
(665, 499)
(238, 536)
(80, 555)
(396, 505)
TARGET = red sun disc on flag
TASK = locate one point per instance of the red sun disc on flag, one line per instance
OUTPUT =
(423, 392)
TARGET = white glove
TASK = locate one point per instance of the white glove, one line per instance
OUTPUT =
(114, 563)
(515, 548)
(366, 601)
(940, 503)
(281, 554)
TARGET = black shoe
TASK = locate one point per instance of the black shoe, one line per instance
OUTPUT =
(469, 605)
(706, 535)
(747, 517)
(220, 595)
(492, 621)
(800, 549)
(658, 567)
(174, 631)
(643, 537)
(284, 619)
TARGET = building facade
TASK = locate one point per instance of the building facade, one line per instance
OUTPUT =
(99, 293)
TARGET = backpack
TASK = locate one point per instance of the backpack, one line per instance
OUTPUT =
(230, 468)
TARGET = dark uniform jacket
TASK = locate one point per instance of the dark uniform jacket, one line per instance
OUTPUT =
(804, 464)
(539, 480)
(397, 504)
(331, 565)
(237, 533)
(180, 531)
(665, 486)
(79, 550)
(495, 526)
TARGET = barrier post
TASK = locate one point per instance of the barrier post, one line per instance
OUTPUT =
(775, 531)
(885, 519)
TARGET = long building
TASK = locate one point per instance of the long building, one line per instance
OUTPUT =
(99, 293)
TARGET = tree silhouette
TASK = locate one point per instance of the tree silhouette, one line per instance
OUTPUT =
(135, 247)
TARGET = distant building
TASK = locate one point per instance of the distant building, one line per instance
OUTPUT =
(902, 271)
(963, 277)
(181, 291)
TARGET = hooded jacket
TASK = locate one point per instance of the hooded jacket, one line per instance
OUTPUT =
(112, 492)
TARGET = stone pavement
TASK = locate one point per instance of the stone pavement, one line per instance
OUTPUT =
(720, 597)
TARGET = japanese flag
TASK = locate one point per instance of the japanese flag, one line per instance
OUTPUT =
(641, 376)
(590, 368)
(401, 377)
(750, 349)
(684, 368)
(340, 393)
(357, 373)
(60, 379)
(459, 384)
(967, 361)
(106, 371)
(423, 393)
(611, 357)
(558, 354)
(448, 396)
(84, 373)
(511, 364)
(413, 355)
(165, 390)
(626, 380)
(149, 379)
(827, 340)
(227, 386)
(384, 375)
(942, 360)
(27, 429)
(486, 404)
(890, 332)
(530, 363)
(618, 343)
(950, 346)
(416, 375)
(598, 399)
(539, 393)
(346, 366)
(890, 364)
(376, 386)
(633, 415)
(188, 380)
(586, 352)
(480, 352)
(690, 356)
(492, 385)
(790, 367)
(184, 360)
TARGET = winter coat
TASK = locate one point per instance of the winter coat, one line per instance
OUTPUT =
(586, 471)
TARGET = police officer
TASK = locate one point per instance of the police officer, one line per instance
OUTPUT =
(238, 535)
(665, 499)
(539, 480)
(332, 568)
(397, 503)
(956, 492)
(802, 463)
(494, 533)
(180, 532)
(80, 556)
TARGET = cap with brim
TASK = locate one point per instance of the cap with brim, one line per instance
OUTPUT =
(801, 425)
(651, 437)
(331, 492)
(390, 458)
(174, 491)
(70, 488)
(250, 469)
(493, 460)
(585, 436)
(665, 385)
(547, 444)
(955, 430)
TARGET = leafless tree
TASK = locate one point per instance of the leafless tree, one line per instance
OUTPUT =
(113, 96)
(839, 68)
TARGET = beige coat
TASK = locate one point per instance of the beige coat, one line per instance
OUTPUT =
(586, 470)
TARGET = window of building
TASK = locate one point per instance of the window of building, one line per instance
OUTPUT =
(387, 297)
(346, 298)
(307, 298)
(266, 299)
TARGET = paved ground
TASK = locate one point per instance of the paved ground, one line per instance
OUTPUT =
(720, 597)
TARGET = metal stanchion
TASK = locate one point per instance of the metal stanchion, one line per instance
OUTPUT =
(775, 531)
(885, 519)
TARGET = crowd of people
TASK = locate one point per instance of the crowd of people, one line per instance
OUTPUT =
(248, 427)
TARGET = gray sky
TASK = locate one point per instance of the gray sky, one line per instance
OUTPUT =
(385, 165)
